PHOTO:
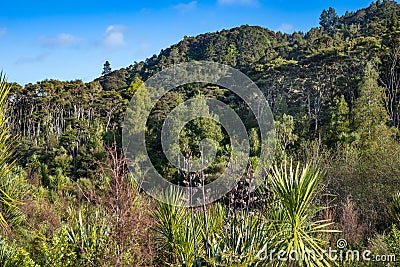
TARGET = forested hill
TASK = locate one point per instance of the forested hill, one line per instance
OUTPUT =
(335, 87)
(67, 198)
(256, 49)
(314, 67)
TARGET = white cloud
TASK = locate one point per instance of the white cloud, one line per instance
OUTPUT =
(114, 36)
(63, 39)
(286, 27)
(183, 8)
(239, 2)
(3, 31)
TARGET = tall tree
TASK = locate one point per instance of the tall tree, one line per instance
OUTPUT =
(134, 86)
(370, 115)
(106, 68)
(390, 68)
(328, 19)
(284, 128)
(339, 128)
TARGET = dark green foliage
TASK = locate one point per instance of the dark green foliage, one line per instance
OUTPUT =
(106, 68)
(247, 236)
(11, 185)
(328, 19)
(370, 116)
(339, 130)
(334, 91)
(82, 244)
(64, 123)
(395, 208)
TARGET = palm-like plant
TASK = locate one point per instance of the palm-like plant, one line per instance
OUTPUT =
(242, 244)
(11, 256)
(83, 243)
(395, 207)
(175, 230)
(7, 203)
(289, 225)
(89, 237)
(296, 230)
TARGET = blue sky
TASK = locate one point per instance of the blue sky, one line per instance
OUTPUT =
(70, 40)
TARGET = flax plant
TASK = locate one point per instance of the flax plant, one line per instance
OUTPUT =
(8, 205)
(296, 229)
(395, 207)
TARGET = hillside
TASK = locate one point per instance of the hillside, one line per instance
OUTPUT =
(283, 65)
(247, 47)
(335, 95)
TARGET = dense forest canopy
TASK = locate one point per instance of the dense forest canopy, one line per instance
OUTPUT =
(302, 75)
(334, 92)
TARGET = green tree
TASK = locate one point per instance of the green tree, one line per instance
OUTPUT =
(203, 126)
(328, 19)
(368, 170)
(284, 129)
(339, 129)
(134, 86)
(232, 55)
(199, 128)
(106, 68)
(370, 116)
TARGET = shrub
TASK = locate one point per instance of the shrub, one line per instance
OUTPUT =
(81, 244)
(11, 256)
